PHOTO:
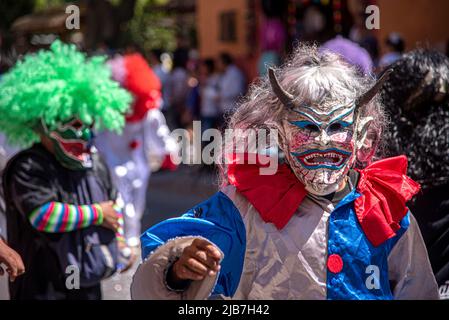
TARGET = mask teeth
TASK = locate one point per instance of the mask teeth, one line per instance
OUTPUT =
(327, 158)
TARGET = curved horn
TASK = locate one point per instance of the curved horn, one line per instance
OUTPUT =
(285, 97)
(371, 93)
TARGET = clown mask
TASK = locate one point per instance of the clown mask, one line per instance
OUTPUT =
(320, 145)
(72, 142)
(321, 140)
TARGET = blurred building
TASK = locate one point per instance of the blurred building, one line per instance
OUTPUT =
(228, 26)
(40, 29)
(255, 32)
(420, 22)
(100, 24)
(260, 32)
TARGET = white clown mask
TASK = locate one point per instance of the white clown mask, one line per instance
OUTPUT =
(320, 146)
(320, 142)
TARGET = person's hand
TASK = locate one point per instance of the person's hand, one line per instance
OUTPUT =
(110, 216)
(197, 261)
(12, 261)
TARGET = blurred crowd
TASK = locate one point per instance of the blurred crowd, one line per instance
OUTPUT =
(199, 89)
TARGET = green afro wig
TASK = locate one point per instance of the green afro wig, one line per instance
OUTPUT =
(55, 85)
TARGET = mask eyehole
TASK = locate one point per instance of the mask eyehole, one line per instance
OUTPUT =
(77, 124)
(335, 127)
(312, 128)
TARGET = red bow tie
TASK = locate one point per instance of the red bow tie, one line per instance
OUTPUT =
(383, 186)
(384, 189)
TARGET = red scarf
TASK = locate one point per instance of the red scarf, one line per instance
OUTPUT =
(383, 185)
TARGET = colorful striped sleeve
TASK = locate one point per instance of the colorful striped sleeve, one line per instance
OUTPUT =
(61, 217)
(120, 234)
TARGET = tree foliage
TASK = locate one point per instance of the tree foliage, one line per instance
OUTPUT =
(10, 10)
(152, 28)
(147, 27)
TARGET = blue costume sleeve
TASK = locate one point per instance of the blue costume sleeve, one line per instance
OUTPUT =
(218, 220)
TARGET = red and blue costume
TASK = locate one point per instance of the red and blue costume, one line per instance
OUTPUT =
(362, 231)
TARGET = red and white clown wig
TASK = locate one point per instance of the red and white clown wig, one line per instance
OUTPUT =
(135, 75)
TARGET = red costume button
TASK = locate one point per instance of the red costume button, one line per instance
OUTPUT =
(334, 263)
(134, 144)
